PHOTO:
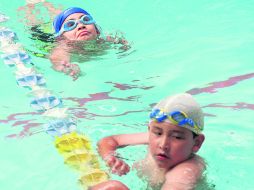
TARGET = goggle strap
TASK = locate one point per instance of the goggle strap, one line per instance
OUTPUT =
(154, 113)
(162, 118)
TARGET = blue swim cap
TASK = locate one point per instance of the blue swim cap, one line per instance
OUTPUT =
(60, 18)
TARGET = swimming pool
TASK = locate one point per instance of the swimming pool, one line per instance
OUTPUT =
(204, 48)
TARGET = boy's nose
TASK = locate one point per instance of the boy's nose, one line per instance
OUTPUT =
(81, 25)
(164, 144)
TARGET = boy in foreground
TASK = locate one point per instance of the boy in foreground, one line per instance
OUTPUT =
(173, 138)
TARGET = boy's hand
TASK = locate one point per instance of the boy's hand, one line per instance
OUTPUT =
(117, 165)
(110, 185)
(70, 69)
(74, 71)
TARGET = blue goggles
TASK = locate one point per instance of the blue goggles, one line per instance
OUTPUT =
(72, 24)
(176, 117)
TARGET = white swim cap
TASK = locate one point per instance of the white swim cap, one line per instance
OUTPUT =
(183, 103)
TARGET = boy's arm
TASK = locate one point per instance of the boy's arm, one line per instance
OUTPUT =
(108, 145)
(110, 185)
(184, 176)
(59, 54)
(60, 59)
(118, 38)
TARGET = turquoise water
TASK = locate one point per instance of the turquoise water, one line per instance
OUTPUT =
(201, 47)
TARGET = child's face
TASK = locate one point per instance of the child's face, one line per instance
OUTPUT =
(170, 145)
(82, 31)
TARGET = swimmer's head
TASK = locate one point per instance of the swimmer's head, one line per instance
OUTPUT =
(181, 110)
(75, 24)
(175, 130)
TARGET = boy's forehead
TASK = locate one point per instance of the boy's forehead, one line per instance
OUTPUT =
(74, 16)
(166, 126)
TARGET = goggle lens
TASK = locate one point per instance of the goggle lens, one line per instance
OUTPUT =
(178, 117)
(86, 19)
(71, 24)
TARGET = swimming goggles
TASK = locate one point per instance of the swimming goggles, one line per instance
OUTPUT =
(71, 24)
(176, 117)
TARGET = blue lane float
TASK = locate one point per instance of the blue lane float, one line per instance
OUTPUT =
(60, 127)
(12, 58)
(6, 33)
(30, 80)
(73, 146)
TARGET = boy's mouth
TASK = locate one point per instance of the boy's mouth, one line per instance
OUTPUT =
(83, 33)
(162, 157)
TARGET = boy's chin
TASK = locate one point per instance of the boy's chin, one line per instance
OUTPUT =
(164, 166)
(86, 38)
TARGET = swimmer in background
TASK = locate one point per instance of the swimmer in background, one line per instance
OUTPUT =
(33, 13)
(63, 46)
(173, 138)
(72, 26)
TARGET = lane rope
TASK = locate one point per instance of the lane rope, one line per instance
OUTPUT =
(74, 146)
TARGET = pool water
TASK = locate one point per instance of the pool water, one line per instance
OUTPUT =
(201, 47)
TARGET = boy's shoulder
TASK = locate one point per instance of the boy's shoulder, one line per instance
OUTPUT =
(186, 173)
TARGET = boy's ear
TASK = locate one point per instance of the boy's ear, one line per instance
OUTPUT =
(148, 126)
(97, 29)
(198, 141)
